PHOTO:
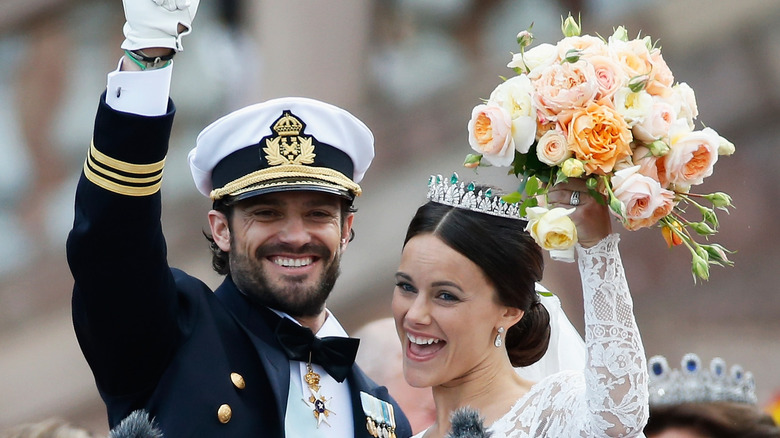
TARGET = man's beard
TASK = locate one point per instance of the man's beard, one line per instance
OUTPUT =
(294, 298)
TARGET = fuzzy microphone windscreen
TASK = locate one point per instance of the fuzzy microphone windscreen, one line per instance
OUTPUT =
(467, 423)
(136, 425)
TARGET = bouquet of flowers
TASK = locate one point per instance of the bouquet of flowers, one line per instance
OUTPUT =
(608, 111)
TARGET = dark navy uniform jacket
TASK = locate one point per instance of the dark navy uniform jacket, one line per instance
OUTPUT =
(203, 363)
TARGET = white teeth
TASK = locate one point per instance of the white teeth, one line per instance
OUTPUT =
(420, 340)
(292, 263)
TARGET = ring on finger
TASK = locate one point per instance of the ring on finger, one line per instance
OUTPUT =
(575, 198)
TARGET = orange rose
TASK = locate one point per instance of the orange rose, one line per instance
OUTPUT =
(599, 136)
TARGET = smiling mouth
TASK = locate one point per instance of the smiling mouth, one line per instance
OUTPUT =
(421, 347)
(289, 262)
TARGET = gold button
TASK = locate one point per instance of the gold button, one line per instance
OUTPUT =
(224, 413)
(238, 380)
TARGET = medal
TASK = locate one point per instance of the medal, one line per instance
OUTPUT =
(316, 401)
(380, 419)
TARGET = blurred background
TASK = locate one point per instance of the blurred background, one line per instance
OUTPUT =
(412, 70)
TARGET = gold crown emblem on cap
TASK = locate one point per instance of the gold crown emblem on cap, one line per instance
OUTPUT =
(289, 147)
(288, 124)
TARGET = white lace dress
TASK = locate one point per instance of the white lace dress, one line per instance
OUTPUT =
(610, 397)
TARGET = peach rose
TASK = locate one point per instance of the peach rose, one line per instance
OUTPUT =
(552, 148)
(648, 166)
(632, 55)
(643, 198)
(585, 45)
(655, 125)
(599, 136)
(514, 95)
(661, 77)
(609, 75)
(490, 134)
(552, 229)
(692, 154)
(564, 86)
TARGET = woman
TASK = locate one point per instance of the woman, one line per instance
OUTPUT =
(467, 313)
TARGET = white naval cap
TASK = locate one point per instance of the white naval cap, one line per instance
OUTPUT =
(290, 143)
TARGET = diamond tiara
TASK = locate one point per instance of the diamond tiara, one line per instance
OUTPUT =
(450, 191)
(694, 384)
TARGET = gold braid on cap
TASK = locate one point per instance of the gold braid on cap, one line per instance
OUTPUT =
(286, 171)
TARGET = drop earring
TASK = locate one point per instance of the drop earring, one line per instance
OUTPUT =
(498, 341)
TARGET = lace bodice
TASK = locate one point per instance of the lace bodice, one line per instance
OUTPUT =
(609, 398)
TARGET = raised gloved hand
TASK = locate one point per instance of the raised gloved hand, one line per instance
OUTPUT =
(155, 23)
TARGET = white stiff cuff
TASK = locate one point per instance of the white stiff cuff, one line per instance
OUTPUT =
(139, 92)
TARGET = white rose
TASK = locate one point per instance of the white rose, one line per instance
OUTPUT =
(514, 95)
(534, 58)
(552, 229)
(634, 107)
(656, 124)
(684, 101)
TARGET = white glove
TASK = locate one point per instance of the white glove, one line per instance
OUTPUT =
(155, 23)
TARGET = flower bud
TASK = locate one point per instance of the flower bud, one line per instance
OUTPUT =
(525, 38)
(620, 34)
(648, 42)
(573, 168)
(702, 228)
(709, 216)
(638, 83)
(570, 27)
(717, 254)
(658, 148)
(672, 236)
(617, 207)
(472, 161)
(719, 199)
(572, 56)
(700, 268)
(726, 147)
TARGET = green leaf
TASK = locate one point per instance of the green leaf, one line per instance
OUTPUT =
(528, 202)
(560, 177)
(532, 186)
(512, 198)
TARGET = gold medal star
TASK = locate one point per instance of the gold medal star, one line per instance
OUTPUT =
(318, 405)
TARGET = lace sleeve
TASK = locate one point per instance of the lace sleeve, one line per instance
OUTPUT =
(616, 375)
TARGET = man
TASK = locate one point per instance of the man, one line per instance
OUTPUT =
(240, 361)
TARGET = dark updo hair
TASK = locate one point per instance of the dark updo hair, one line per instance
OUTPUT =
(508, 257)
(713, 419)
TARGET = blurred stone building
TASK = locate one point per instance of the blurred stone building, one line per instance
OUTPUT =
(412, 70)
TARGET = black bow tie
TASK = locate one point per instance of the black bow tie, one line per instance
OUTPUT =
(333, 353)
